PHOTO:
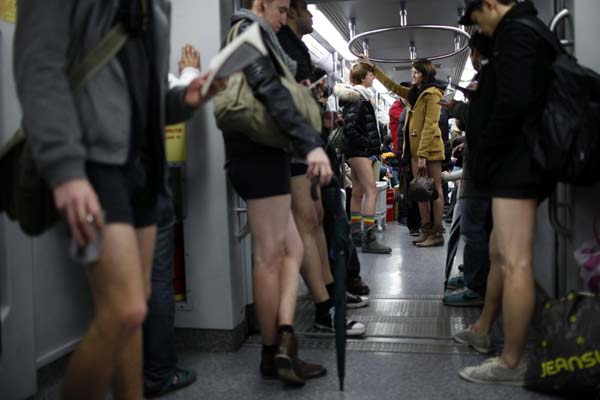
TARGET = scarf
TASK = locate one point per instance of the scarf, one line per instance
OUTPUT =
(247, 14)
(415, 92)
(366, 93)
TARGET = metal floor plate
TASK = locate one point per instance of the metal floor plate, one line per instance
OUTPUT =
(395, 318)
(377, 345)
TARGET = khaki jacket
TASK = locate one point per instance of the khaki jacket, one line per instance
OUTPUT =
(422, 120)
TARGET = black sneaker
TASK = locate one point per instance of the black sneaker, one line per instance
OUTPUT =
(353, 301)
(358, 287)
(414, 232)
(326, 324)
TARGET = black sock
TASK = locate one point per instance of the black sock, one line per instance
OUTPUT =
(331, 289)
(286, 328)
(323, 308)
(269, 349)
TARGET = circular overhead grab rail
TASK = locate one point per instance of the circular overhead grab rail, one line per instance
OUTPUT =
(365, 35)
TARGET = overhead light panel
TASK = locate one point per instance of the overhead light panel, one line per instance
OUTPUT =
(325, 28)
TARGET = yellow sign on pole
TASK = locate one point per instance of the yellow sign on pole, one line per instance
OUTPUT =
(175, 143)
(8, 10)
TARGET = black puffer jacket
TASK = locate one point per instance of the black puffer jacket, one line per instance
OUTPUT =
(361, 137)
(263, 78)
(511, 89)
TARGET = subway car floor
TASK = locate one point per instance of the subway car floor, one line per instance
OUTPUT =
(407, 353)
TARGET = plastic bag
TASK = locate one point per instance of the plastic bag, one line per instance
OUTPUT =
(567, 359)
(588, 259)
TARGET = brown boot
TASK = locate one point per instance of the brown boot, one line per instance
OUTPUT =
(268, 370)
(425, 231)
(288, 366)
(435, 238)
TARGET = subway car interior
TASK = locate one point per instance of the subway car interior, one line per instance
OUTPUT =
(401, 338)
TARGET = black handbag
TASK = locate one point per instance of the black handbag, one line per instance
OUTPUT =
(566, 361)
(25, 196)
(422, 189)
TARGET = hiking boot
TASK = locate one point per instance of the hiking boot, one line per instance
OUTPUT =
(371, 245)
(357, 286)
(492, 372)
(434, 239)
(481, 343)
(268, 370)
(327, 324)
(456, 282)
(353, 301)
(464, 297)
(425, 229)
(288, 365)
(181, 378)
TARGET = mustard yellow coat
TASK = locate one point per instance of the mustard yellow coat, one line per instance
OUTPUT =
(422, 121)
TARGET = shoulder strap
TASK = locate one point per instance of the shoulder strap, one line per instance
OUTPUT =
(234, 31)
(84, 71)
(98, 57)
(543, 32)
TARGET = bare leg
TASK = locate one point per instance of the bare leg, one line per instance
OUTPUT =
(129, 363)
(269, 219)
(362, 174)
(357, 192)
(307, 220)
(434, 170)
(514, 222)
(120, 308)
(493, 294)
(289, 277)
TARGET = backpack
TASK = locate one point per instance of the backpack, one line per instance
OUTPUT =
(565, 138)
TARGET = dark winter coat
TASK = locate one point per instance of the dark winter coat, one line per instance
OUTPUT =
(361, 137)
(511, 89)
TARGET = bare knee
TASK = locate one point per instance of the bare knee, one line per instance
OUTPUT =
(516, 267)
(371, 191)
(269, 257)
(123, 320)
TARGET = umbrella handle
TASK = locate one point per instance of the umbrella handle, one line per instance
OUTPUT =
(314, 185)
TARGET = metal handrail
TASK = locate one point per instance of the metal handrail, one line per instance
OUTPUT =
(558, 18)
(245, 231)
(565, 13)
(364, 35)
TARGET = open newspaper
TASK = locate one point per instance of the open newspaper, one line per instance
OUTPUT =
(238, 54)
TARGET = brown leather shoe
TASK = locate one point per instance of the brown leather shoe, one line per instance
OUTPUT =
(425, 232)
(269, 371)
(288, 366)
(435, 238)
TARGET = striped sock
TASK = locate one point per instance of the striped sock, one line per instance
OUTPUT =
(355, 218)
(369, 220)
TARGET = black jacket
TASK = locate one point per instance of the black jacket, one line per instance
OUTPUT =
(263, 78)
(361, 137)
(511, 89)
(297, 50)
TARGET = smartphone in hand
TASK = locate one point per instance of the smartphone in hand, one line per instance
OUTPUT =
(90, 253)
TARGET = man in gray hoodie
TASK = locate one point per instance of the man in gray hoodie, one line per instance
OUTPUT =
(102, 154)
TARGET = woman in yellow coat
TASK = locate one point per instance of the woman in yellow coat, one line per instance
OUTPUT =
(422, 139)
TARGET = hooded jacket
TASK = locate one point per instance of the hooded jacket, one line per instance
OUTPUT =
(395, 112)
(263, 78)
(511, 89)
(422, 120)
(361, 137)
(66, 131)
